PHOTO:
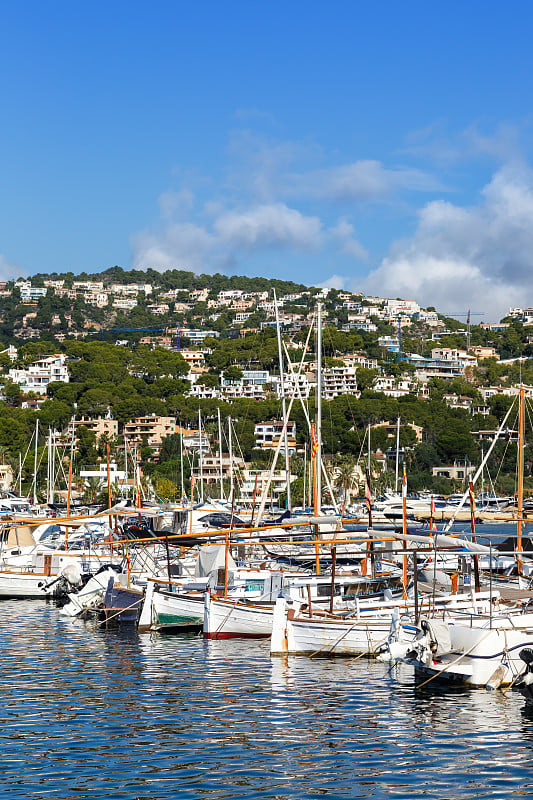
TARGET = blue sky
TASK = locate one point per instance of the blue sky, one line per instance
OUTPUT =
(379, 146)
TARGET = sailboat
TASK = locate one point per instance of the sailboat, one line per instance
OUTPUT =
(483, 649)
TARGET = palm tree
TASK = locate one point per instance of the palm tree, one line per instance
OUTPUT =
(93, 486)
(343, 478)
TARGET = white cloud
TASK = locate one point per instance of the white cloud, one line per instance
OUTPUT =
(464, 257)
(439, 145)
(334, 282)
(344, 235)
(173, 203)
(198, 247)
(179, 246)
(361, 180)
(272, 225)
(10, 269)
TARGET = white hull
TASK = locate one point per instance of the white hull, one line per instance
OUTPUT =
(301, 635)
(25, 585)
(229, 619)
(164, 610)
(481, 656)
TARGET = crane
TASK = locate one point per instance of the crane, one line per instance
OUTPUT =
(468, 315)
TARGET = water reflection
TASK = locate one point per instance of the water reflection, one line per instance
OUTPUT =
(89, 712)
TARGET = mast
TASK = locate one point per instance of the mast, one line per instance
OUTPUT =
(126, 465)
(397, 454)
(200, 457)
(70, 474)
(220, 471)
(230, 445)
(35, 463)
(520, 479)
(319, 404)
(181, 462)
(283, 404)
(305, 475)
(50, 470)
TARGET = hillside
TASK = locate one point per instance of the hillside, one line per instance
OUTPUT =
(124, 346)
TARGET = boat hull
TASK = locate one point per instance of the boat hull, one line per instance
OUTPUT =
(229, 619)
(481, 656)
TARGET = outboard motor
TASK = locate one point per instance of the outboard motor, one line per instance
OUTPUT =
(524, 684)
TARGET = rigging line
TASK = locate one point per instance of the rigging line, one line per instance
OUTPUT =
(505, 449)
(306, 414)
(25, 457)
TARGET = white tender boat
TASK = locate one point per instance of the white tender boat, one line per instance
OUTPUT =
(479, 651)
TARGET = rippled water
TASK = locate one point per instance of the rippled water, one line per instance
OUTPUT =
(99, 713)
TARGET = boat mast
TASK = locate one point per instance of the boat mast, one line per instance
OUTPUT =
(520, 478)
(397, 454)
(220, 471)
(230, 446)
(200, 456)
(35, 463)
(319, 404)
(126, 466)
(305, 474)
(181, 463)
(70, 472)
(283, 404)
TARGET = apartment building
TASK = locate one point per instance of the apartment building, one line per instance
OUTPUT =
(359, 360)
(395, 307)
(38, 375)
(251, 385)
(294, 385)
(268, 434)
(390, 343)
(213, 468)
(101, 426)
(130, 288)
(29, 293)
(199, 295)
(364, 325)
(255, 482)
(229, 295)
(398, 387)
(88, 286)
(97, 299)
(452, 354)
(71, 294)
(124, 304)
(241, 317)
(483, 351)
(339, 380)
(157, 341)
(194, 358)
(196, 336)
(159, 308)
(193, 440)
(150, 429)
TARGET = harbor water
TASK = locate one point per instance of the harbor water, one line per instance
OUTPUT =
(93, 713)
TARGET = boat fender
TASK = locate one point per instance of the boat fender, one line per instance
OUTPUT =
(497, 678)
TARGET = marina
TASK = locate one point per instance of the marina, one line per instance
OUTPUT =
(89, 713)
(266, 401)
(187, 686)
